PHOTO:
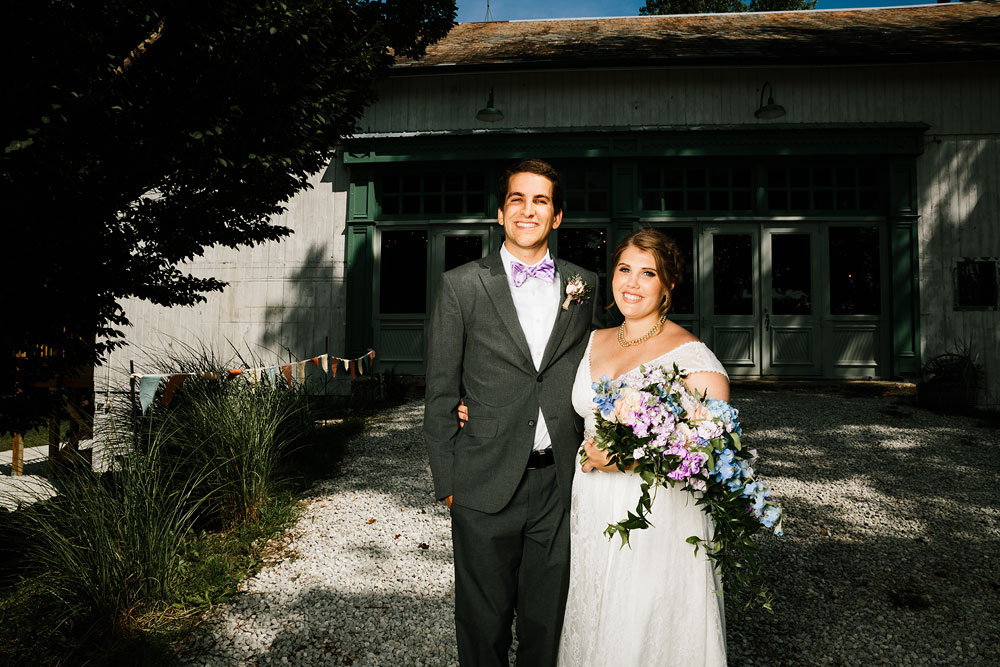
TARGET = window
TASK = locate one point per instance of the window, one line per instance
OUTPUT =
(586, 190)
(586, 247)
(403, 271)
(855, 274)
(432, 193)
(695, 188)
(822, 188)
(976, 283)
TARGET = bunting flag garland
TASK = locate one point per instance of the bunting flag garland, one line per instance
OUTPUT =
(148, 384)
(172, 384)
(147, 389)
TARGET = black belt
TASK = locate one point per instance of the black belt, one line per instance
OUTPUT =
(540, 459)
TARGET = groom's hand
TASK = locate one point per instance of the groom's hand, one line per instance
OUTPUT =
(463, 416)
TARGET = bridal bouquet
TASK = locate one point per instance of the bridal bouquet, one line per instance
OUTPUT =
(650, 419)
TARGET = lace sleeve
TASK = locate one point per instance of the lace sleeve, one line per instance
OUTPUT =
(697, 358)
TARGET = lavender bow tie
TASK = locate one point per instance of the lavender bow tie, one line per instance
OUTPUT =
(519, 272)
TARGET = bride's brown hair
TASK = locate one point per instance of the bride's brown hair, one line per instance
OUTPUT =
(666, 254)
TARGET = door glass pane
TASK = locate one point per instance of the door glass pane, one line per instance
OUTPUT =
(459, 250)
(587, 248)
(855, 277)
(683, 296)
(791, 276)
(403, 271)
(732, 260)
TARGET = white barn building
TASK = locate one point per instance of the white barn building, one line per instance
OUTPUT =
(852, 233)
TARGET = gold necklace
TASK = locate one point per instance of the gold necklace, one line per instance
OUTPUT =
(643, 338)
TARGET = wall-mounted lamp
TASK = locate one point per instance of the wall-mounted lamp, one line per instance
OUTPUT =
(769, 110)
(489, 113)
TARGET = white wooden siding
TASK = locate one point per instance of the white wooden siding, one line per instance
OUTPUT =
(284, 294)
(954, 98)
(960, 217)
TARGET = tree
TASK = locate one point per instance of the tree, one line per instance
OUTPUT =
(722, 6)
(141, 132)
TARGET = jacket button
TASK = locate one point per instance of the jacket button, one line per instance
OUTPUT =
(531, 422)
(538, 379)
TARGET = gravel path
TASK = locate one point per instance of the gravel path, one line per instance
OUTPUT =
(892, 532)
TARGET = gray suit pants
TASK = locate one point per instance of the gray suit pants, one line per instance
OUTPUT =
(517, 558)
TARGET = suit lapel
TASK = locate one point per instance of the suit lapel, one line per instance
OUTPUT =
(563, 318)
(495, 281)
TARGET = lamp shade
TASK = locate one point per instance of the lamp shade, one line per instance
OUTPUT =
(489, 113)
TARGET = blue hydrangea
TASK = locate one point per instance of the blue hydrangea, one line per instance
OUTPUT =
(605, 395)
(730, 416)
(724, 467)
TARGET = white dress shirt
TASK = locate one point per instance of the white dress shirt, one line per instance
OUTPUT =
(537, 304)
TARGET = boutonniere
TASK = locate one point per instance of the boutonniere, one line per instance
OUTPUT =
(576, 290)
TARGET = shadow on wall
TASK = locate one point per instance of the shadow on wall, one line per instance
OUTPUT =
(959, 204)
(302, 321)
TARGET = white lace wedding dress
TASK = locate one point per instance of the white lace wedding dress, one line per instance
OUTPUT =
(654, 604)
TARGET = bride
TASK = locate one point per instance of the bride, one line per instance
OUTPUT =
(655, 603)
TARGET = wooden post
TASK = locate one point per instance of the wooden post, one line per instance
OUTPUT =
(17, 456)
(53, 442)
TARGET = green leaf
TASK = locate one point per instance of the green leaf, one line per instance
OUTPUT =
(18, 144)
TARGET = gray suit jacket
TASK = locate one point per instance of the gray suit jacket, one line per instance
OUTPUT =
(478, 353)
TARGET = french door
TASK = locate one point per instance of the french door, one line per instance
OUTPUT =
(759, 306)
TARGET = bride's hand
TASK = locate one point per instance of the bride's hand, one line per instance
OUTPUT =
(463, 414)
(597, 459)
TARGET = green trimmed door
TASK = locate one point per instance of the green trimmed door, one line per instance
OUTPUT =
(760, 313)
(790, 265)
(731, 305)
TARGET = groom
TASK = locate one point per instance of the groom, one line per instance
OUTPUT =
(501, 341)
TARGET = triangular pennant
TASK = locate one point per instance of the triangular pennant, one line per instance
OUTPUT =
(351, 367)
(147, 389)
(315, 360)
(371, 360)
(300, 371)
(272, 374)
(360, 363)
(234, 372)
(173, 383)
(347, 364)
(255, 375)
(324, 362)
(286, 370)
(334, 366)
(209, 375)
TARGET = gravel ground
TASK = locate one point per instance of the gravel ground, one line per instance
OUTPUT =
(892, 526)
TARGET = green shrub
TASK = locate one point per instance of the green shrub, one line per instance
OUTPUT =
(107, 548)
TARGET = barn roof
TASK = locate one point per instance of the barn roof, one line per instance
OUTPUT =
(966, 31)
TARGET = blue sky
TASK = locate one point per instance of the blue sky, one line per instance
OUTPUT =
(510, 10)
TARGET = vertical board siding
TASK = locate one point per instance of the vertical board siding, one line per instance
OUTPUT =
(960, 206)
(286, 294)
(956, 97)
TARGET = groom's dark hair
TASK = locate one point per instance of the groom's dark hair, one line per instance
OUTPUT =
(532, 166)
